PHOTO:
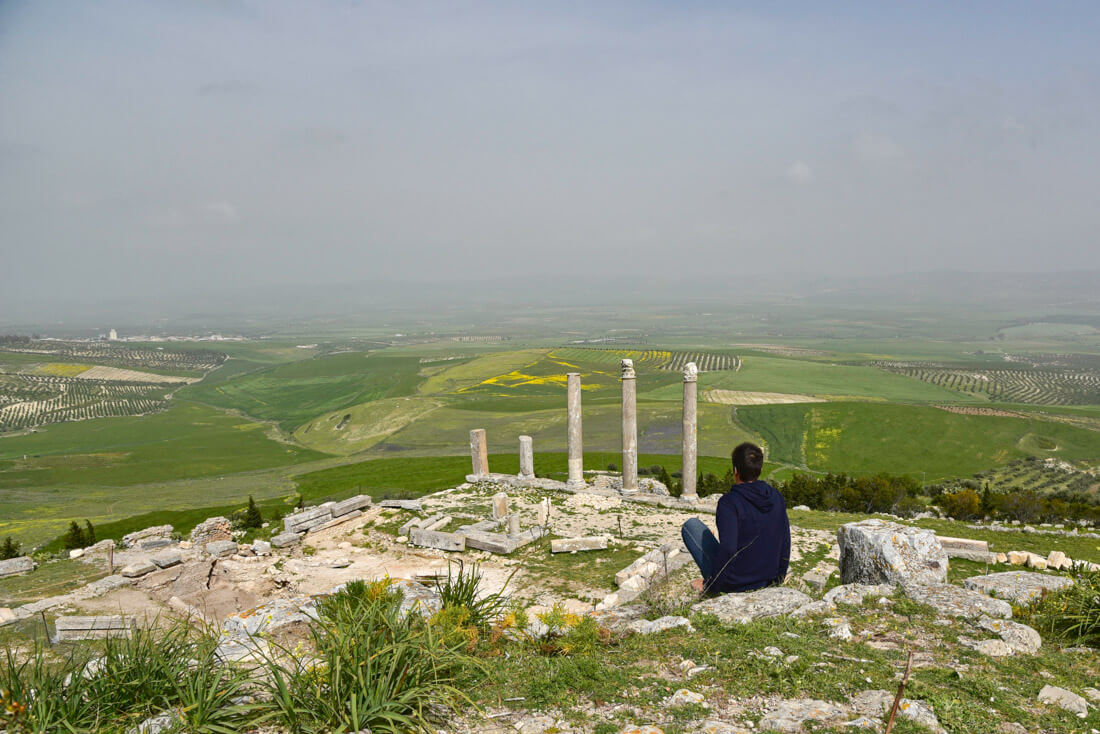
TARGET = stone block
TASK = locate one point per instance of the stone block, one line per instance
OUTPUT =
(571, 545)
(1019, 637)
(1057, 560)
(358, 502)
(167, 559)
(1036, 561)
(261, 547)
(92, 628)
(14, 566)
(154, 543)
(131, 539)
(221, 548)
(438, 540)
(284, 540)
(1017, 586)
(346, 517)
(435, 522)
(413, 505)
(513, 525)
(1018, 558)
(500, 543)
(138, 568)
(877, 552)
(500, 506)
(76, 553)
(307, 519)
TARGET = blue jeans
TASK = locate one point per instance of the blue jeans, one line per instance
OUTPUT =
(703, 546)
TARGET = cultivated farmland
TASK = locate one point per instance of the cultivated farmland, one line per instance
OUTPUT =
(27, 401)
(654, 358)
(1053, 385)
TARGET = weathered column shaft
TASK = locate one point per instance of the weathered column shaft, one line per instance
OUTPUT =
(526, 458)
(479, 453)
(630, 427)
(690, 454)
(576, 444)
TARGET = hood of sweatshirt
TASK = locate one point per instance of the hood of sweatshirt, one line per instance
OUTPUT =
(759, 494)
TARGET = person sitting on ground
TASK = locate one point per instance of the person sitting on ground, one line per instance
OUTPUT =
(754, 545)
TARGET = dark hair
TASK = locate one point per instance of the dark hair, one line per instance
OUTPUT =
(748, 460)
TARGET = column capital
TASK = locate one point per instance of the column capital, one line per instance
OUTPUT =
(627, 367)
(691, 372)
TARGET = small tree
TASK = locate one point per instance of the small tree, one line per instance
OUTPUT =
(253, 518)
(74, 538)
(89, 533)
(9, 549)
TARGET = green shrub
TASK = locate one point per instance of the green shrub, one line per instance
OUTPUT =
(1071, 614)
(460, 589)
(10, 549)
(373, 667)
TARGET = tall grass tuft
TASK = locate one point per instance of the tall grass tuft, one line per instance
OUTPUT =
(153, 671)
(372, 666)
(460, 590)
(1072, 613)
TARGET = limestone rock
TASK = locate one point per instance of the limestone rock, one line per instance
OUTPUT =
(221, 548)
(1057, 560)
(211, 530)
(15, 566)
(877, 552)
(648, 627)
(308, 519)
(684, 697)
(261, 547)
(991, 648)
(137, 568)
(743, 608)
(284, 540)
(954, 601)
(131, 539)
(345, 507)
(839, 629)
(1019, 637)
(853, 594)
(92, 628)
(159, 724)
(571, 545)
(167, 559)
(76, 553)
(1017, 558)
(413, 505)
(1017, 586)
(788, 716)
(875, 703)
(814, 608)
(1068, 700)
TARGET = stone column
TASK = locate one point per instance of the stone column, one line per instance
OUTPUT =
(691, 445)
(479, 453)
(576, 448)
(630, 428)
(526, 458)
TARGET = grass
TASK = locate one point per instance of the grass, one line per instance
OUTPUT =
(293, 393)
(51, 578)
(865, 438)
(102, 469)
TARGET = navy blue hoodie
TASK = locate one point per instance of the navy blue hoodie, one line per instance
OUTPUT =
(755, 536)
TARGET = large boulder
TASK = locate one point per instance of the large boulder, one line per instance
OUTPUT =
(879, 552)
(157, 531)
(743, 608)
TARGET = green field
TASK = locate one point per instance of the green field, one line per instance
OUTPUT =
(864, 438)
(291, 394)
(326, 414)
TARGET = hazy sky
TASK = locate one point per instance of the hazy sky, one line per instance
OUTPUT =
(153, 146)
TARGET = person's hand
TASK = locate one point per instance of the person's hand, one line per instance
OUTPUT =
(697, 585)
